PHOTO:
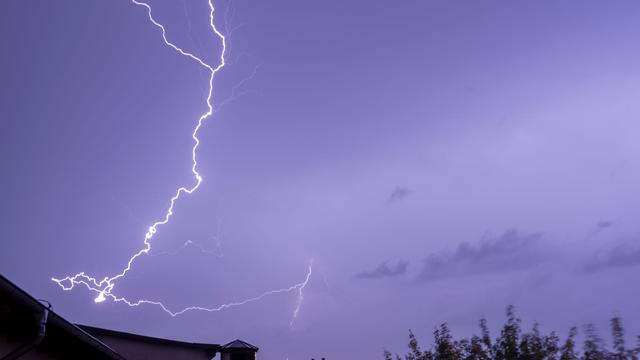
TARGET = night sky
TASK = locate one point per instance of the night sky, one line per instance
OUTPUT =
(438, 160)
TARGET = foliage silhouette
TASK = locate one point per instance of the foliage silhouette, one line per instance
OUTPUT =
(514, 344)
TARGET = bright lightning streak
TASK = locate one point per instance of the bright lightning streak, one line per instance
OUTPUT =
(301, 294)
(104, 287)
(107, 284)
(102, 296)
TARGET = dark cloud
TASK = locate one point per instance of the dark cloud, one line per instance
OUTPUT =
(384, 270)
(509, 252)
(603, 224)
(399, 193)
(620, 256)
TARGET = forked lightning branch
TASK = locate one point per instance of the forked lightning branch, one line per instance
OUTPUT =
(104, 287)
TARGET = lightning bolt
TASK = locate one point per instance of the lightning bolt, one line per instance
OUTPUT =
(104, 287)
(90, 283)
(300, 289)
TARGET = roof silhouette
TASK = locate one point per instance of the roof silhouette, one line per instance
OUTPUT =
(239, 344)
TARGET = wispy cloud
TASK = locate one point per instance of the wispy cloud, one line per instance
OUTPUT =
(384, 270)
(622, 255)
(399, 193)
(603, 224)
(509, 252)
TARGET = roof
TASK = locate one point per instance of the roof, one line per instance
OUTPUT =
(66, 340)
(240, 345)
(17, 305)
(95, 331)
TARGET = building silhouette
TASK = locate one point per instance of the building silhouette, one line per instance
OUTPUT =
(30, 330)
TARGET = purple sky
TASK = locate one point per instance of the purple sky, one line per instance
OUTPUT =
(438, 159)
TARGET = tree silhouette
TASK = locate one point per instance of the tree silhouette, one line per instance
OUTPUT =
(416, 353)
(569, 348)
(617, 334)
(486, 338)
(593, 348)
(513, 344)
(445, 349)
(506, 347)
(475, 350)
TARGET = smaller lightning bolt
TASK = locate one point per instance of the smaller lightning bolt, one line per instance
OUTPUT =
(301, 294)
(237, 90)
(102, 296)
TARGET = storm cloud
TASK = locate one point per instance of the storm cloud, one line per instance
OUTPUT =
(399, 193)
(623, 255)
(509, 252)
(604, 224)
(384, 270)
